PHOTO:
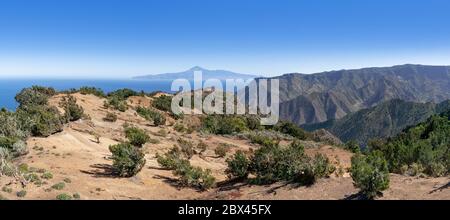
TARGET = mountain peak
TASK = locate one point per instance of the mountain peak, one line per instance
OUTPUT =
(196, 68)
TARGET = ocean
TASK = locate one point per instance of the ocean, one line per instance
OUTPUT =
(10, 87)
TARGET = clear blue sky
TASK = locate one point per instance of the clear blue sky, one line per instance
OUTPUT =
(111, 38)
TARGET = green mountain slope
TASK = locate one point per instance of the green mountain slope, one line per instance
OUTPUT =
(384, 120)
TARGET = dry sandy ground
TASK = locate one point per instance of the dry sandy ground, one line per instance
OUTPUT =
(75, 154)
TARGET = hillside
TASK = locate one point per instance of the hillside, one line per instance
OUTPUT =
(79, 157)
(314, 98)
(189, 75)
(384, 120)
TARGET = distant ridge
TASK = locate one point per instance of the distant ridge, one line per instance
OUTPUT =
(189, 74)
(319, 97)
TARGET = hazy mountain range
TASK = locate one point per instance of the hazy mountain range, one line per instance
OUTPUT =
(189, 75)
(314, 98)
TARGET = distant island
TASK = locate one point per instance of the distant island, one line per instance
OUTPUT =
(189, 75)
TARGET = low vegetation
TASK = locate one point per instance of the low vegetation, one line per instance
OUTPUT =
(110, 117)
(128, 160)
(370, 174)
(272, 163)
(189, 176)
(424, 148)
(72, 111)
(136, 136)
(156, 117)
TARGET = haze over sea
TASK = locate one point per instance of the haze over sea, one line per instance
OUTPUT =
(10, 87)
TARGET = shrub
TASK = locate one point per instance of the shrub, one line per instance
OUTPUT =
(188, 175)
(370, 174)
(15, 146)
(352, 146)
(163, 103)
(156, 117)
(179, 127)
(195, 177)
(72, 111)
(262, 140)
(201, 146)
(59, 186)
(437, 169)
(291, 129)
(187, 148)
(14, 125)
(116, 104)
(21, 193)
(223, 124)
(64, 196)
(123, 94)
(44, 120)
(110, 117)
(93, 91)
(47, 175)
(171, 160)
(36, 95)
(7, 189)
(238, 166)
(136, 136)
(127, 159)
(221, 150)
(253, 122)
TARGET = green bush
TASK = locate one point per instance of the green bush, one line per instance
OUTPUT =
(223, 124)
(64, 196)
(238, 166)
(137, 137)
(47, 175)
(195, 177)
(352, 146)
(44, 120)
(221, 150)
(179, 127)
(72, 111)
(163, 103)
(187, 148)
(370, 173)
(272, 163)
(110, 117)
(127, 159)
(188, 175)
(93, 91)
(14, 125)
(123, 94)
(59, 186)
(172, 159)
(116, 104)
(36, 95)
(262, 140)
(156, 117)
(291, 129)
(423, 148)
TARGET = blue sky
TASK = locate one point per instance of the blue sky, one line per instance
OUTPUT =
(112, 38)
